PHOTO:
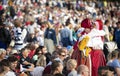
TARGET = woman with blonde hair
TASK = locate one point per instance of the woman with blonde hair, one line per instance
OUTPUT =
(71, 65)
(2, 54)
(50, 37)
(41, 63)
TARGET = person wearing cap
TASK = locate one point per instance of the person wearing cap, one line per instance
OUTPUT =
(77, 54)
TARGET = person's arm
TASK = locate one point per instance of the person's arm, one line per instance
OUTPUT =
(106, 33)
(54, 37)
(116, 66)
(71, 37)
(31, 68)
(26, 63)
(117, 71)
(24, 33)
(45, 33)
(95, 33)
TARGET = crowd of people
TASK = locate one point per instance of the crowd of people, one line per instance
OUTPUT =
(59, 38)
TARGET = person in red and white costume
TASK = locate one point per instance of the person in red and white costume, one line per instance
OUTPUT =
(79, 54)
(97, 55)
(89, 48)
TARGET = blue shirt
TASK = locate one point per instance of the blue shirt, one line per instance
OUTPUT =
(117, 37)
(115, 63)
(51, 34)
(66, 37)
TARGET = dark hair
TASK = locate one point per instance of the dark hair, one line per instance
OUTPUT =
(106, 21)
(59, 74)
(118, 23)
(114, 53)
(119, 54)
(100, 70)
(54, 65)
(1, 68)
(61, 51)
(2, 12)
(48, 75)
(68, 22)
(26, 47)
(32, 46)
(37, 51)
(110, 68)
(12, 59)
(41, 47)
(17, 23)
(3, 63)
(1, 21)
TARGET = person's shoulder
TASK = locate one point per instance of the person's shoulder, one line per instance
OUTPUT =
(73, 73)
(109, 62)
(40, 68)
(115, 62)
(48, 53)
(104, 26)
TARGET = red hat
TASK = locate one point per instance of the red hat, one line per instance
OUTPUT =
(86, 23)
(99, 24)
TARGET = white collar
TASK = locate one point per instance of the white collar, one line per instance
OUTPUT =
(67, 27)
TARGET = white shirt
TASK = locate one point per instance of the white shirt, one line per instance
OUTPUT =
(37, 71)
(105, 28)
(31, 28)
(95, 39)
(78, 75)
(10, 73)
(40, 38)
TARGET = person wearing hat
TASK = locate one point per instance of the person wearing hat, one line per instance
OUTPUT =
(82, 57)
(97, 55)
(89, 47)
